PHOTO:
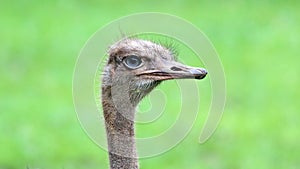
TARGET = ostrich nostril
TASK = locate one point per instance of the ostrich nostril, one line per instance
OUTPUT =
(176, 68)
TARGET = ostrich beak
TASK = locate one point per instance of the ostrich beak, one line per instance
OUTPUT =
(174, 70)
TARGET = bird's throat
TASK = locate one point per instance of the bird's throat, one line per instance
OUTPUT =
(119, 122)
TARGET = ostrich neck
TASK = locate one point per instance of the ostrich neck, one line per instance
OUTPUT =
(119, 122)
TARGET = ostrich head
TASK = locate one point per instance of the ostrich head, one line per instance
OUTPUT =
(134, 68)
(141, 65)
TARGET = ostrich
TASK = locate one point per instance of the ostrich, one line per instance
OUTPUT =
(133, 69)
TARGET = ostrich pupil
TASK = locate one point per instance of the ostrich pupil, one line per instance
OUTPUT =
(132, 62)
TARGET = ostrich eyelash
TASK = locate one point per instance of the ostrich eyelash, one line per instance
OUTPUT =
(171, 44)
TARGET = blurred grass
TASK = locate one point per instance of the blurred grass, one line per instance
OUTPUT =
(258, 43)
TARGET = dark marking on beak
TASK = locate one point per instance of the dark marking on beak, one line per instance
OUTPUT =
(175, 68)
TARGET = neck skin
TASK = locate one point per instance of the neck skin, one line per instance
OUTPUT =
(119, 122)
(120, 96)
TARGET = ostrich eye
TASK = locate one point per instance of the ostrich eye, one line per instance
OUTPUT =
(132, 62)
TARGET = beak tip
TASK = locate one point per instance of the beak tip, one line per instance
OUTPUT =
(199, 73)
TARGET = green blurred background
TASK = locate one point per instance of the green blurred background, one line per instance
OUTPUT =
(258, 43)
